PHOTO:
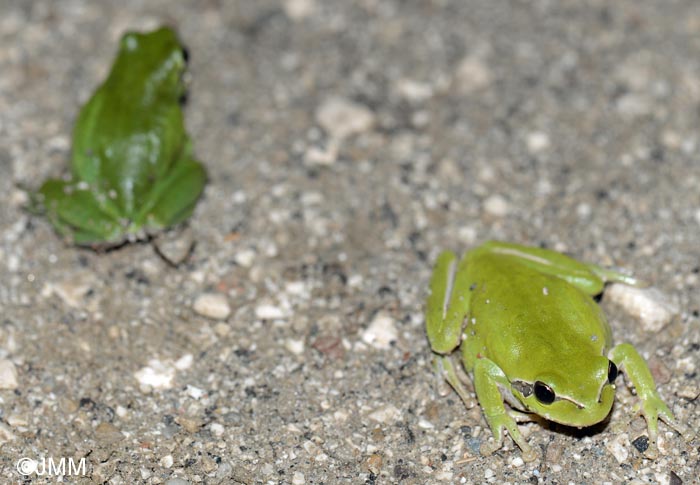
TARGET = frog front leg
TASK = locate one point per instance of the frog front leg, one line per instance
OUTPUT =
(652, 406)
(487, 379)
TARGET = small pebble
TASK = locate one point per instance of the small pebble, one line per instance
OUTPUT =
(195, 392)
(8, 375)
(374, 463)
(5, 433)
(216, 429)
(212, 305)
(17, 420)
(496, 206)
(414, 91)
(175, 246)
(269, 312)
(385, 414)
(167, 461)
(325, 156)
(189, 424)
(107, 433)
(177, 481)
(157, 374)
(184, 362)
(618, 447)
(299, 9)
(471, 75)
(691, 392)
(537, 142)
(340, 117)
(648, 305)
(295, 346)
(381, 332)
(298, 479)
(641, 443)
(245, 258)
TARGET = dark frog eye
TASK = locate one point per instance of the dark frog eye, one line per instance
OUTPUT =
(544, 393)
(612, 371)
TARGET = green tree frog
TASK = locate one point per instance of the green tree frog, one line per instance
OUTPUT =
(132, 168)
(531, 334)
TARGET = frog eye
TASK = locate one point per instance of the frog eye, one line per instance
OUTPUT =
(612, 371)
(544, 393)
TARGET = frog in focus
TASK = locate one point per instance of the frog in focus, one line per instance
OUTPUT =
(530, 333)
(132, 168)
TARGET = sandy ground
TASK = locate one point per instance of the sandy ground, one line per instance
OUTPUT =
(347, 143)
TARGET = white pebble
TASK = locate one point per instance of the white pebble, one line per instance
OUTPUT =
(651, 307)
(8, 375)
(177, 481)
(245, 258)
(381, 331)
(517, 462)
(425, 424)
(212, 305)
(184, 362)
(444, 476)
(298, 479)
(195, 392)
(295, 346)
(618, 447)
(216, 429)
(385, 414)
(322, 156)
(537, 141)
(269, 312)
(414, 91)
(157, 374)
(167, 461)
(340, 117)
(496, 206)
(299, 9)
(471, 75)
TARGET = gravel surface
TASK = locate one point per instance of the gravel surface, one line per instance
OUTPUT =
(347, 143)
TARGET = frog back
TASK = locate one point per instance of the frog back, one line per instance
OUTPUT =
(131, 131)
(526, 321)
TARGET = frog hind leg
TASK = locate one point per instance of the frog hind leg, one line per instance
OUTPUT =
(77, 214)
(487, 378)
(652, 407)
(447, 305)
(589, 278)
(444, 368)
(173, 199)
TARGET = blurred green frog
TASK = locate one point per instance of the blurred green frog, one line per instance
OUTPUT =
(132, 169)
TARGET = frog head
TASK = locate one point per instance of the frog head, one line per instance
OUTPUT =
(580, 400)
